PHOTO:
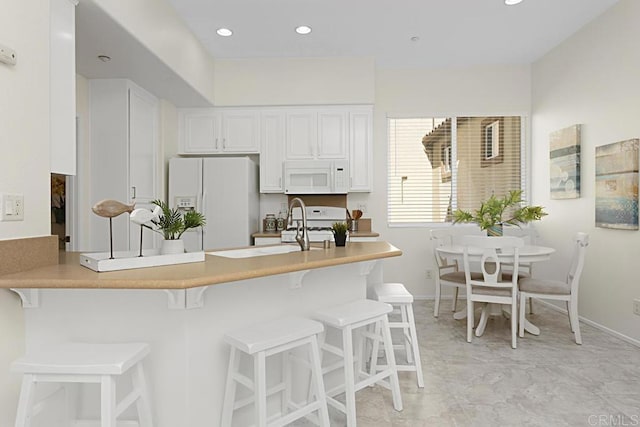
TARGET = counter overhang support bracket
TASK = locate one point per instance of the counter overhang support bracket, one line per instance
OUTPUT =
(177, 299)
(30, 297)
(295, 279)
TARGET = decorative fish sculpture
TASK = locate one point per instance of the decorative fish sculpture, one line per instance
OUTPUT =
(111, 208)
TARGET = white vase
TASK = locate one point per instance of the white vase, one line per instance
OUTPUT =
(172, 247)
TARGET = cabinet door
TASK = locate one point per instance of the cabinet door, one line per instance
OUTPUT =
(271, 151)
(302, 135)
(199, 131)
(360, 150)
(143, 160)
(143, 143)
(332, 134)
(240, 131)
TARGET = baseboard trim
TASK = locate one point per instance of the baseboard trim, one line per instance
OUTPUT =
(590, 322)
(583, 319)
(96, 423)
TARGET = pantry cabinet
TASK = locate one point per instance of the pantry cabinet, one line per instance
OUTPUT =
(272, 132)
(218, 131)
(361, 149)
(124, 159)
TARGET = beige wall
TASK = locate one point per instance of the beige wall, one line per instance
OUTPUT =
(24, 165)
(294, 81)
(591, 79)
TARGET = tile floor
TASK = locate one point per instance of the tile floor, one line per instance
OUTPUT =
(547, 381)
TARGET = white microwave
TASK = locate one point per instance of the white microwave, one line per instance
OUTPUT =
(316, 176)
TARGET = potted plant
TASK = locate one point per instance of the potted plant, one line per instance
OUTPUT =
(491, 215)
(172, 223)
(340, 232)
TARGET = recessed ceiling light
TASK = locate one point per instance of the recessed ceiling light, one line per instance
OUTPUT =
(415, 38)
(303, 29)
(104, 58)
(512, 2)
(224, 32)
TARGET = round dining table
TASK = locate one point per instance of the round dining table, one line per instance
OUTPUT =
(526, 254)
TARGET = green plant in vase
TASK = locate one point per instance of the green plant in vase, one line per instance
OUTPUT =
(172, 223)
(491, 214)
(340, 232)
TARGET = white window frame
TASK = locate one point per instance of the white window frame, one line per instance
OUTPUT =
(525, 158)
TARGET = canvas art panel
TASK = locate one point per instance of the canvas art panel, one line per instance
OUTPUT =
(564, 156)
(617, 185)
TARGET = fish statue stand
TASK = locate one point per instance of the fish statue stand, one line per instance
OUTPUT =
(111, 209)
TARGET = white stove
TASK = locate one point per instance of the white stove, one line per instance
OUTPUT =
(319, 221)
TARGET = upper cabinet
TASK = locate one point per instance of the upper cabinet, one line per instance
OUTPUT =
(341, 132)
(316, 133)
(361, 149)
(214, 131)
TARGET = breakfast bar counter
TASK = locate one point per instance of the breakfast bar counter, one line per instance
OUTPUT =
(69, 274)
(183, 311)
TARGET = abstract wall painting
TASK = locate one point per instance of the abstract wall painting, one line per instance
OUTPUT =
(617, 185)
(564, 156)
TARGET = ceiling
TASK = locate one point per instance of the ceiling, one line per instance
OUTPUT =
(451, 32)
(98, 34)
(457, 33)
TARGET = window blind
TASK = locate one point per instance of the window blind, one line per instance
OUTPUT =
(436, 165)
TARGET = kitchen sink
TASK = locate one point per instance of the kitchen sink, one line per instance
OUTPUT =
(258, 251)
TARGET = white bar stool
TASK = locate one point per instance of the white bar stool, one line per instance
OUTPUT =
(74, 363)
(402, 300)
(347, 318)
(261, 341)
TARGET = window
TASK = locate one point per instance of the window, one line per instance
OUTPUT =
(440, 164)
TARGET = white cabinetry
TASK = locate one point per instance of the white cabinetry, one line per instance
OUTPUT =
(124, 159)
(316, 134)
(272, 132)
(361, 149)
(217, 131)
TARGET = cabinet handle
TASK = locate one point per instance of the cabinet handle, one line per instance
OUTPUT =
(133, 192)
(280, 182)
(224, 143)
(216, 143)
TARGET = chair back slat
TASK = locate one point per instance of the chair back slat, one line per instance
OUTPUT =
(490, 264)
(581, 241)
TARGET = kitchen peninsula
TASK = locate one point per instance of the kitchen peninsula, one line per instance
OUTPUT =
(182, 311)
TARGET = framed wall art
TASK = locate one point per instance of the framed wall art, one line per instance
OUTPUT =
(564, 160)
(617, 185)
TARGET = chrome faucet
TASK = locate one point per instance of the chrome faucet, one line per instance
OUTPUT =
(302, 236)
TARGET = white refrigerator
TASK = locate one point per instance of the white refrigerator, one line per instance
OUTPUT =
(225, 190)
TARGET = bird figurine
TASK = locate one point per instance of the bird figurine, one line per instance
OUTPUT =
(144, 218)
(111, 209)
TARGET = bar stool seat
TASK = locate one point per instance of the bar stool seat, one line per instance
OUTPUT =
(261, 341)
(73, 363)
(347, 318)
(402, 300)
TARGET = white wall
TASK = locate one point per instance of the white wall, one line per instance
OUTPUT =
(428, 93)
(24, 165)
(591, 79)
(158, 27)
(81, 240)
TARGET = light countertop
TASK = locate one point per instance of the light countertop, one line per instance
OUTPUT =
(351, 234)
(69, 274)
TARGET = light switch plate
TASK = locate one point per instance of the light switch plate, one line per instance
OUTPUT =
(11, 207)
(636, 306)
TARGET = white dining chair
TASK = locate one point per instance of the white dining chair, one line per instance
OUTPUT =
(566, 290)
(529, 235)
(448, 274)
(491, 288)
